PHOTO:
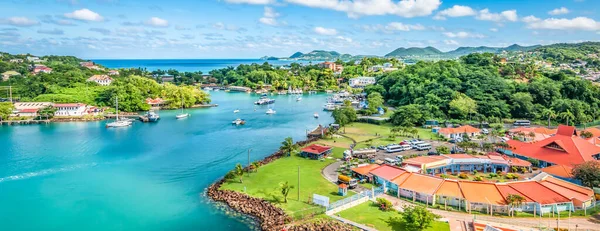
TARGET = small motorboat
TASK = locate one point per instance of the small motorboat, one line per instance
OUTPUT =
(236, 111)
(238, 122)
(316, 115)
(299, 98)
(271, 111)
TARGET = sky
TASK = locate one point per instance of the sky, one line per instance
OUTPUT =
(153, 29)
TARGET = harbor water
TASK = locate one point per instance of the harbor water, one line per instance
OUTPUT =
(150, 176)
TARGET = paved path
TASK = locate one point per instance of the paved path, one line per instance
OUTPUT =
(330, 172)
(506, 222)
(346, 221)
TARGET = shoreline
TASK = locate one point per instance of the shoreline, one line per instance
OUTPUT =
(267, 215)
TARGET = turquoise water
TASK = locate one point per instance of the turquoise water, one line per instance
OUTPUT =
(82, 176)
(190, 65)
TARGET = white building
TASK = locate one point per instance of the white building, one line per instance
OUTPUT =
(103, 80)
(70, 109)
(360, 82)
(29, 109)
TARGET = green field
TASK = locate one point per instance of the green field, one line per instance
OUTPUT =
(265, 183)
(369, 214)
(364, 134)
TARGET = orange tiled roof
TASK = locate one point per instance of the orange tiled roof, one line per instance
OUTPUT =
(423, 160)
(422, 183)
(568, 149)
(482, 227)
(506, 190)
(559, 170)
(517, 162)
(450, 188)
(364, 170)
(567, 189)
(400, 179)
(458, 130)
(388, 172)
(481, 192)
(538, 192)
(540, 130)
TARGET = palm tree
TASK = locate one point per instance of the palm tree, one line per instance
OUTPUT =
(285, 190)
(514, 200)
(288, 146)
(567, 115)
(256, 165)
(239, 171)
(550, 114)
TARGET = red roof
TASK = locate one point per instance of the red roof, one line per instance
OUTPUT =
(459, 130)
(564, 148)
(388, 172)
(538, 193)
(559, 170)
(316, 149)
(28, 110)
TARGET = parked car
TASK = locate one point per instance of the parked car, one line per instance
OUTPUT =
(485, 131)
(504, 139)
(432, 153)
(452, 141)
(381, 147)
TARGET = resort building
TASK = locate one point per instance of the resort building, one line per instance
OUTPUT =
(70, 109)
(41, 69)
(542, 194)
(29, 109)
(315, 151)
(564, 148)
(456, 163)
(6, 75)
(528, 134)
(361, 82)
(16, 61)
(113, 72)
(155, 103)
(386, 67)
(240, 89)
(34, 59)
(103, 80)
(363, 172)
(453, 133)
(337, 69)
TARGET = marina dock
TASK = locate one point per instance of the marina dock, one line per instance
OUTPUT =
(22, 122)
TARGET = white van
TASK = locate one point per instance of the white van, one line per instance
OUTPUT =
(406, 147)
(390, 161)
(423, 146)
(394, 148)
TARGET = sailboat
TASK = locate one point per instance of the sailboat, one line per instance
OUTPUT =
(299, 98)
(270, 111)
(118, 123)
(182, 115)
(236, 111)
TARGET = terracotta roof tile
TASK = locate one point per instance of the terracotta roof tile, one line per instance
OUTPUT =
(480, 192)
(450, 188)
(538, 193)
(559, 170)
(422, 183)
(364, 170)
(316, 149)
(388, 172)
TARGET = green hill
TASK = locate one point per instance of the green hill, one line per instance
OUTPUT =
(415, 51)
(431, 52)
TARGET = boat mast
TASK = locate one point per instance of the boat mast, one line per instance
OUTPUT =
(117, 102)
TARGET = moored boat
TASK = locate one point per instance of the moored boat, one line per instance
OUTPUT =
(316, 115)
(271, 111)
(238, 122)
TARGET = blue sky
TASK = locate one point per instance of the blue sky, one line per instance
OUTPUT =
(254, 28)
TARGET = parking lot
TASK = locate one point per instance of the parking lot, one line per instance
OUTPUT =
(382, 154)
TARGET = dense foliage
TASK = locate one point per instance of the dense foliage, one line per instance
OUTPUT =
(475, 87)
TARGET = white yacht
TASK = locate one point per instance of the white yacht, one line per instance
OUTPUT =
(271, 111)
(182, 115)
(118, 123)
(236, 111)
(316, 115)
(329, 107)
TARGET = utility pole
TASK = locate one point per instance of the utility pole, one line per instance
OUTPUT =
(249, 161)
(298, 182)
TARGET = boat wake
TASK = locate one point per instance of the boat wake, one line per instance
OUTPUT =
(45, 172)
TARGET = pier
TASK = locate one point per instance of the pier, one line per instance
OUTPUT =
(21, 122)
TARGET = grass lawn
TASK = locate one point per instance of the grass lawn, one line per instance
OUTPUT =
(363, 132)
(369, 214)
(338, 141)
(265, 183)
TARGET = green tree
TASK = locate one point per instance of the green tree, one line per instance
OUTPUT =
(6, 108)
(567, 115)
(344, 115)
(550, 114)
(408, 115)
(462, 106)
(588, 173)
(514, 200)
(288, 146)
(239, 172)
(442, 150)
(47, 112)
(256, 165)
(285, 188)
(417, 218)
(375, 100)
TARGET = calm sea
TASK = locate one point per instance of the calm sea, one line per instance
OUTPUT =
(189, 65)
(83, 176)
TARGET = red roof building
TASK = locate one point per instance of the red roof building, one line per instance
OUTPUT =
(459, 131)
(564, 148)
(315, 151)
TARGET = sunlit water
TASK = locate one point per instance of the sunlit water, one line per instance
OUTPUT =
(83, 176)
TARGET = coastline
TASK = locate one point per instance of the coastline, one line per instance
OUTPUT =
(268, 216)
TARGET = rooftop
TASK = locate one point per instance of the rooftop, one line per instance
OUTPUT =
(364, 170)
(388, 172)
(316, 149)
(559, 170)
(458, 130)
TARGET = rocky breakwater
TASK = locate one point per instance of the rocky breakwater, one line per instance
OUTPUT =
(270, 217)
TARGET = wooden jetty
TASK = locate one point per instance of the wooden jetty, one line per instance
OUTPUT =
(23, 122)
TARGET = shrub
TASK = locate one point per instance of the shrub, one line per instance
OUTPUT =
(474, 172)
(463, 176)
(444, 176)
(492, 175)
(384, 204)
(478, 178)
(511, 176)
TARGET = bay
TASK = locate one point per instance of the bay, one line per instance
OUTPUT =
(83, 176)
(187, 65)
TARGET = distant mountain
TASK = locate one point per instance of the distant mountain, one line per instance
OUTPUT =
(296, 55)
(430, 52)
(414, 51)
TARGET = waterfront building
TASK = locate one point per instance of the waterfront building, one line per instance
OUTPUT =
(458, 132)
(155, 103)
(29, 109)
(361, 82)
(455, 163)
(70, 109)
(315, 151)
(103, 80)
(240, 89)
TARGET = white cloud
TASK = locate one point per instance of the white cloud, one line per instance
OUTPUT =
(579, 23)
(463, 34)
(530, 19)
(253, 2)
(494, 29)
(508, 15)
(403, 27)
(325, 31)
(19, 21)
(85, 15)
(157, 22)
(269, 17)
(228, 27)
(357, 8)
(344, 38)
(558, 11)
(455, 11)
(451, 42)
